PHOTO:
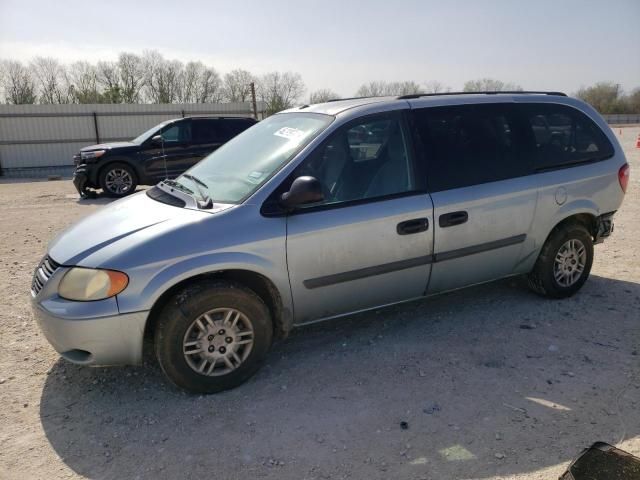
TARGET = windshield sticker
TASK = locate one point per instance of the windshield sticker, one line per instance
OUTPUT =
(289, 133)
(254, 177)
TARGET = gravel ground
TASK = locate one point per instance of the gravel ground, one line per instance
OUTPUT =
(492, 381)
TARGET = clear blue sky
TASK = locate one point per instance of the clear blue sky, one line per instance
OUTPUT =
(539, 44)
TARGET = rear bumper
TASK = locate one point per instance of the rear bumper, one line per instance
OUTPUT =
(114, 339)
(604, 227)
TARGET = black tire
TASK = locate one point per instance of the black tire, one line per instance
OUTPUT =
(109, 188)
(542, 279)
(181, 312)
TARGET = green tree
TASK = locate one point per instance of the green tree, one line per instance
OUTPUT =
(606, 97)
(633, 101)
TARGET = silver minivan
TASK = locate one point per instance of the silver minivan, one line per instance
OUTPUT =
(326, 210)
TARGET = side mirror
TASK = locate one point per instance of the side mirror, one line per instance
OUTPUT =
(303, 190)
(157, 140)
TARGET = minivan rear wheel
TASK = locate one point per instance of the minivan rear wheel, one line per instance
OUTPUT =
(564, 263)
(213, 336)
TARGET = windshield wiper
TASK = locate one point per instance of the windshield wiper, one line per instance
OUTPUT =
(179, 186)
(206, 202)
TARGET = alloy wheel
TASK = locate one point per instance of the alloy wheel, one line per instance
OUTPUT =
(118, 181)
(218, 342)
(569, 262)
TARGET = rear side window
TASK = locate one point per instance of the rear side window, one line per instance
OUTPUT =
(235, 127)
(470, 144)
(206, 131)
(561, 136)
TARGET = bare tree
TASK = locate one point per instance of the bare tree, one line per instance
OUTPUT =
(209, 87)
(131, 77)
(189, 79)
(323, 95)
(404, 88)
(490, 85)
(280, 90)
(199, 84)
(109, 79)
(51, 79)
(162, 78)
(372, 89)
(83, 83)
(434, 86)
(17, 83)
(237, 85)
(382, 88)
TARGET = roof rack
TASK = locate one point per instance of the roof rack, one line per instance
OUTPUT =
(350, 98)
(508, 92)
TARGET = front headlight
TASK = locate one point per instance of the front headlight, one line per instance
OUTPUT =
(88, 284)
(90, 155)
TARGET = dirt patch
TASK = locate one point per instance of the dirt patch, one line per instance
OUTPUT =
(488, 382)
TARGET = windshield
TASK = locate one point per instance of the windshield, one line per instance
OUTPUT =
(142, 137)
(242, 165)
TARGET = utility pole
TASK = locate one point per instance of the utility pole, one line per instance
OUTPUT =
(253, 100)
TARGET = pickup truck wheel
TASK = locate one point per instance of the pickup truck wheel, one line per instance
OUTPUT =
(564, 262)
(118, 180)
(213, 336)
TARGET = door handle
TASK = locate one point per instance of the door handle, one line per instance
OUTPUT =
(416, 225)
(452, 219)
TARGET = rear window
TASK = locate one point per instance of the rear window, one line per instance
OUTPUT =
(218, 130)
(469, 144)
(561, 136)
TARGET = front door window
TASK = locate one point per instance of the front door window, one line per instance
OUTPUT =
(367, 159)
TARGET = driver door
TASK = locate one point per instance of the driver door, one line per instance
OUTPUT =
(172, 158)
(369, 243)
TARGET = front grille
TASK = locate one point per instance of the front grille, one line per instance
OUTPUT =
(45, 269)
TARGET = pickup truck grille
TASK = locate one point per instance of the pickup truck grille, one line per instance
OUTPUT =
(45, 269)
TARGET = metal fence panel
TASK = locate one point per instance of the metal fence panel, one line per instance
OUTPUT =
(37, 140)
(622, 119)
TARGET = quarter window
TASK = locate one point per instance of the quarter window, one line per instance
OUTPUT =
(363, 160)
(562, 136)
(470, 144)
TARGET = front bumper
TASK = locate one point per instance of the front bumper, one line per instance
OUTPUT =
(81, 178)
(88, 333)
(113, 340)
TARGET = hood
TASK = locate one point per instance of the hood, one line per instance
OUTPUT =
(109, 146)
(120, 225)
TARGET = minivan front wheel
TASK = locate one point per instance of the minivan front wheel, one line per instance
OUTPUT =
(213, 336)
(564, 262)
(118, 180)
